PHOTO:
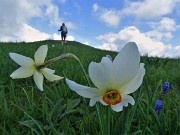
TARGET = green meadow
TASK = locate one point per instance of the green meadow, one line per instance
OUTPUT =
(25, 110)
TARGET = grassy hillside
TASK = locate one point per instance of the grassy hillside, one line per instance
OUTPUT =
(24, 109)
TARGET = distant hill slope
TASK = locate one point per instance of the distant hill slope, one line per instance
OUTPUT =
(85, 53)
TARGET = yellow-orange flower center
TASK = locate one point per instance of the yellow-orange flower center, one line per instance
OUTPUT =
(112, 98)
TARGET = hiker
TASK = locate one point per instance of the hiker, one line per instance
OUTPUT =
(64, 32)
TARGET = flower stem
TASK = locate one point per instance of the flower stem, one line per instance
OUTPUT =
(100, 119)
(61, 57)
(86, 76)
(51, 61)
(108, 121)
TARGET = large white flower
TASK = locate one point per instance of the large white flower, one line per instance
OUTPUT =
(29, 67)
(114, 80)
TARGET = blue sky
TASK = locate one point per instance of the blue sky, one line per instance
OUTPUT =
(153, 24)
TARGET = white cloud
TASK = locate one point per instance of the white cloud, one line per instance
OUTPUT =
(52, 12)
(86, 43)
(58, 37)
(108, 46)
(109, 16)
(115, 41)
(30, 34)
(15, 15)
(141, 9)
(95, 7)
(70, 38)
(150, 8)
(162, 30)
(26, 33)
(159, 36)
(165, 24)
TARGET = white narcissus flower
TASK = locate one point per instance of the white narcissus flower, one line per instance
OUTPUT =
(29, 67)
(114, 80)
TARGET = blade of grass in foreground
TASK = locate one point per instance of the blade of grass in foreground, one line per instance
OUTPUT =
(156, 118)
(132, 112)
(38, 124)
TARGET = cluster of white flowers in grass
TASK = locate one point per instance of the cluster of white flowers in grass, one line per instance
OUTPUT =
(113, 80)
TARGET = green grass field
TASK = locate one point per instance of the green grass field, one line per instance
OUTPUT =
(25, 110)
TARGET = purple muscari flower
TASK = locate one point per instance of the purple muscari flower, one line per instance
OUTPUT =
(166, 86)
(158, 106)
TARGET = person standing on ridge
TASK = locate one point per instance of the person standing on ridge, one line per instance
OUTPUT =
(64, 32)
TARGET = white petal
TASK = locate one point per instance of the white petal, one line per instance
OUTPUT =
(40, 54)
(125, 100)
(81, 90)
(117, 107)
(126, 64)
(93, 101)
(23, 72)
(100, 73)
(49, 70)
(21, 60)
(136, 82)
(38, 79)
(49, 75)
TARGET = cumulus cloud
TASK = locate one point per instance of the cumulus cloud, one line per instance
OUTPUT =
(86, 43)
(108, 46)
(15, 17)
(58, 37)
(165, 24)
(162, 30)
(150, 8)
(141, 9)
(30, 34)
(26, 33)
(52, 12)
(70, 38)
(159, 36)
(115, 41)
(109, 16)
